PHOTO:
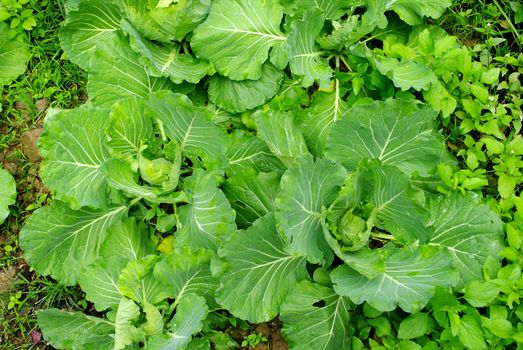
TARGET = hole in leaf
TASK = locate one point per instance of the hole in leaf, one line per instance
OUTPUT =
(320, 303)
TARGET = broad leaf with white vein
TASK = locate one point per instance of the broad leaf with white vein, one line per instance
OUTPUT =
(304, 55)
(99, 282)
(60, 242)
(128, 240)
(125, 241)
(315, 317)
(120, 176)
(315, 122)
(138, 283)
(190, 314)
(468, 230)
(208, 219)
(120, 74)
(168, 59)
(306, 189)
(191, 127)
(187, 271)
(74, 152)
(125, 333)
(252, 195)
(261, 273)
(166, 21)
(394, 132)
(398, 208)
(238, 35)
(332, 9)
(73, 330)
(281, 133)
(246, 152)
(408, 279)
(412, 11)
(87, 25)
(239, 96)
(130, 126)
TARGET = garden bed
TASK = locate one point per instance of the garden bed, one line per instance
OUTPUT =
(262, 175)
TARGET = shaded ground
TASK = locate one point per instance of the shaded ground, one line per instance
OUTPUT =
(270, 330)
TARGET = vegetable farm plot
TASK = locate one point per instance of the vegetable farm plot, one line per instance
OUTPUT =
(270, 174)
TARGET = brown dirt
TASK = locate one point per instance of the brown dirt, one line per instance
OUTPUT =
(7, 277)
(21, 159)
(29, 143)
(270, 330)
(41, 105)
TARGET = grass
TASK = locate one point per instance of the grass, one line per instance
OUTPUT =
(53, 81)
(489, 22)
(18, 308)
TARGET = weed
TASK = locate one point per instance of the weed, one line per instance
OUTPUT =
(490, 22)
(30, 293)
(253, 339)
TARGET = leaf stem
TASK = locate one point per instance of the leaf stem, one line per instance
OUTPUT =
(345, 63)
(382, 236)
(134, 201)
(185, 47)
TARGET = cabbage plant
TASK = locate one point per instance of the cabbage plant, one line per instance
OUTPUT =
(227, 163)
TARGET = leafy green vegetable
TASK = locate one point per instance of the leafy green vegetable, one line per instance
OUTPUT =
(304, 56)
(315, 122)
(111, 82)
(308, 325)
(414, 326)
(239, 96)
(60, 241)
(124, 332)
(74, 154)
(252, 195)
(168, 59)
(138, 283)
(394, 132)
(14, 56)
(166, 21)
(282, 136)
(305, 190)
(273, 158)
(237, 36)
(407, 280)
(398, 208)
(70, 330)
(191, 128)
(409, 11)
(208, 219)
(254, 289)
(470, 232)
(7, 193)
(188, 271)
(191, 312)
(86, 26)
